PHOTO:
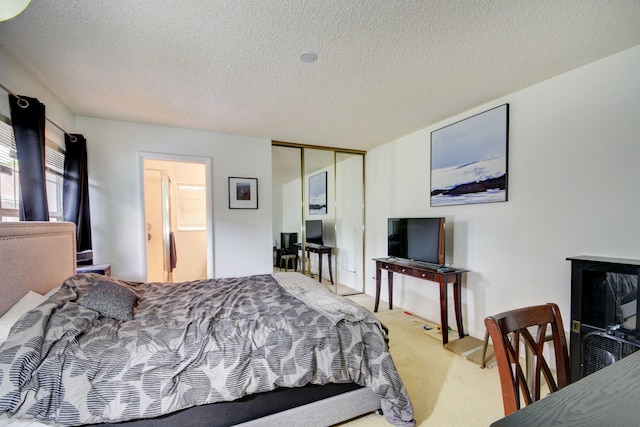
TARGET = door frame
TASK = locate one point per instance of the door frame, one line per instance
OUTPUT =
(206, 161)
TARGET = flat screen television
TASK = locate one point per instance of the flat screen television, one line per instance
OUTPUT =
(417, 239)
(313, 231)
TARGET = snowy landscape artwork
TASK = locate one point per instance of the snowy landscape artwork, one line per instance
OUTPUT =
(469, 160)
(318, 194)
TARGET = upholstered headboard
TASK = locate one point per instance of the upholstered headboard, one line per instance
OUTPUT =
(35, 256)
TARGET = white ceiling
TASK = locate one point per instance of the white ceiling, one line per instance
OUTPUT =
(385, 68)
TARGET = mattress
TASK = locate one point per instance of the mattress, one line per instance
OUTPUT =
(191, 344)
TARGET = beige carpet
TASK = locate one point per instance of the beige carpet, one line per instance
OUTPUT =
(447, 388)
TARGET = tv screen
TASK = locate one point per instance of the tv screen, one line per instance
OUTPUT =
(417, 239)
(313, 231)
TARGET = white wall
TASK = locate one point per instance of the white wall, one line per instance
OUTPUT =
(574, 147)
(21, 82)
(242, 237)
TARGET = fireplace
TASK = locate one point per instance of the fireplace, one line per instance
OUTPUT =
(604, 307)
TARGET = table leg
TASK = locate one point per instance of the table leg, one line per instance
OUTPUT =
(457, 291)
(378, 279)
(390, 281)
(330, 272)
(444, 321)
(320, 267)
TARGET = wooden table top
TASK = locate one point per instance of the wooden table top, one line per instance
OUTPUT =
(608, 397)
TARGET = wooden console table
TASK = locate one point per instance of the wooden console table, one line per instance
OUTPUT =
(318, 249)
(441, 276)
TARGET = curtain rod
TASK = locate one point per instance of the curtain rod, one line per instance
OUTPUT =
(71, 137)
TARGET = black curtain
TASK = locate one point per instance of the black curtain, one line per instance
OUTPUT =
(75, 192)
(28, 120)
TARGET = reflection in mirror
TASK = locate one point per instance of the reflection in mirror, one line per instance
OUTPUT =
(318, 193)
(287, 212)
(349, 223)
(319, 213)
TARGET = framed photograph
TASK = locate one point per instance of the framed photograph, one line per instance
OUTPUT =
(469, 160)
(243, 193)
(318, 194)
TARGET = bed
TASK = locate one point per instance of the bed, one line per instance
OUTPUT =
(141, 354)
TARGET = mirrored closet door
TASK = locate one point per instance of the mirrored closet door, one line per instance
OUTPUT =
(349, 214)
(319, 202)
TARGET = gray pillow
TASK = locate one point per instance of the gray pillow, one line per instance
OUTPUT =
(111, 300)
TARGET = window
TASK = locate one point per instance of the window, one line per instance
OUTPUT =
(10, 173)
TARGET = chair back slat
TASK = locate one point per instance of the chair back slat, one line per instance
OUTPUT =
(509, 332)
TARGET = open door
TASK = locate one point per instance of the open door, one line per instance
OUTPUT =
(177, 219)
(158, 225)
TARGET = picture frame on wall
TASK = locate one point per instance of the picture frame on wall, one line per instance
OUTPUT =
(469, 160)
(243, 193)
(318, 194)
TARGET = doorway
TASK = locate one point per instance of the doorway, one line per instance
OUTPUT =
(177, 220)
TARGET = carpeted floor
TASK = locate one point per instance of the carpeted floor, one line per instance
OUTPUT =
(446, 385)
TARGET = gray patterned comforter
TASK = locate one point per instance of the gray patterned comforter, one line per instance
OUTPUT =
(190, 344)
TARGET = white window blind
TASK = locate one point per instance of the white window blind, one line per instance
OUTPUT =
(53, 154)
(7, 146)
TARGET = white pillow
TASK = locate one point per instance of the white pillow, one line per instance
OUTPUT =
(28, 302)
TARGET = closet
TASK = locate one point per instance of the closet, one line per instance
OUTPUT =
(313, 185)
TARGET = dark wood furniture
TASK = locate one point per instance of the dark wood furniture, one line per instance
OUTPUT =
(422, 271)
(104, 269)
(287, 247)
(608, 397)
(599, 287)
(318, 249)
(512, 330)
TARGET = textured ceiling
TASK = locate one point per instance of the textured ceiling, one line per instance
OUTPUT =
(385, 68)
